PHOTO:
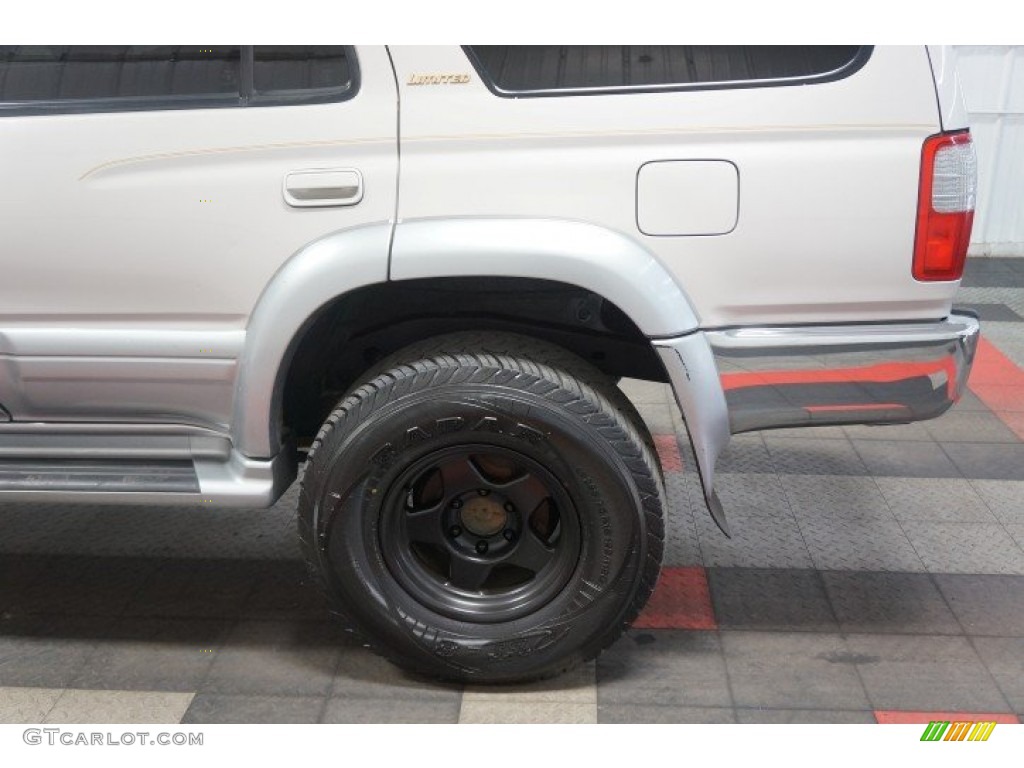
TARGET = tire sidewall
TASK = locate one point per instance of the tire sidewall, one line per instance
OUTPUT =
(360, 459)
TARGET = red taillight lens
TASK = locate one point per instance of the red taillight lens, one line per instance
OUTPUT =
(945, 206)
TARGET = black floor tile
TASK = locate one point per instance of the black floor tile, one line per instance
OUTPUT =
(889, 602)
(986, 604)
(902, 458)
(991, 312)
(215, 708)
(804, 716)
(633, 713)
(770, 599)
(988, 461)
(153, 655)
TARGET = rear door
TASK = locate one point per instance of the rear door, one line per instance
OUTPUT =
(151, 192)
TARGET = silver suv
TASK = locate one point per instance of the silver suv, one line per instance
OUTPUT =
(419, 273)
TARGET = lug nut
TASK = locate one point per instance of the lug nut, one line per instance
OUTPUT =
(455, 531)
(509, 534)
(481, 547)
(456, 503)
(483, 491)
(510, 507)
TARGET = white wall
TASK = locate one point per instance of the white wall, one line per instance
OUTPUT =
(993, 81)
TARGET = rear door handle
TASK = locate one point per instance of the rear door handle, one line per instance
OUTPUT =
(323, 187)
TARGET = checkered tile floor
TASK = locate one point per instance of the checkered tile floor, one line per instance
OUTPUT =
(876, 574)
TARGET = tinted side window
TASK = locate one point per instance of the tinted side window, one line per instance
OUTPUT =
(534, 69)
(99, 78)
(299, 67)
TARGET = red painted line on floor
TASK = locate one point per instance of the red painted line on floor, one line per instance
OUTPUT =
(668, 453)
(999, 383)
(897, 717)
(681, 600)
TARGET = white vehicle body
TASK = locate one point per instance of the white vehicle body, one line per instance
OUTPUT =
(160, 266)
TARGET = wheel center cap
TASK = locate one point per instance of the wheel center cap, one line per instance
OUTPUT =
(483, 516)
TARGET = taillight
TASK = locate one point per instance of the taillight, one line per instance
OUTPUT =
(945, 206)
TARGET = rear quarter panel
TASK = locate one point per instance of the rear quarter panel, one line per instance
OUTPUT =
(828, 177)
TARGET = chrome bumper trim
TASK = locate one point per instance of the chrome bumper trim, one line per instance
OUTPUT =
(811, 376)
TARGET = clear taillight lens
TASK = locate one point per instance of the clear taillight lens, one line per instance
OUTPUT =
(945, 209)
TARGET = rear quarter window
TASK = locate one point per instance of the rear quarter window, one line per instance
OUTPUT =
(549, 70)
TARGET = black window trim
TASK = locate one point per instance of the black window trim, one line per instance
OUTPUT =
(246, 97)
(852, 66)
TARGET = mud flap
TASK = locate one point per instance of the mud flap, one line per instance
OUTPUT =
(690, 364)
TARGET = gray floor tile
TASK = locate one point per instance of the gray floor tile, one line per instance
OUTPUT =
(90, 586)
(968, 402)
(197, 588)
(920, 673)
(937, 499)
(276, 658)
(663, 668)
(988, 461)
(47, 651)
(1017, 533)
(838, 544)
(915, 431)
(285, 591)
(1004, 657)
(905, 603)
(770, 599)
(805, 716)
(792, 670)
(904, 459)
(762, 537)
(970, 427)
(390, 711)
(27, 705)
(965, 547)
(746, 454)
(633, 713)
(80, 706)
(153, 654)
(985, 605)
(216, 708)
(839, 497)
(1004, 497)
(814, 457)
(685, 499)
(362, 674)
(807, 433)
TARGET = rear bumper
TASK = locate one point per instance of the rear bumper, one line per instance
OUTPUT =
(867, 374)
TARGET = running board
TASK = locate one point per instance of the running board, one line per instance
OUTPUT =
(99, 475)
(135, 464)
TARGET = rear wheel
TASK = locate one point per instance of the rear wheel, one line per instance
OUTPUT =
(478, 515)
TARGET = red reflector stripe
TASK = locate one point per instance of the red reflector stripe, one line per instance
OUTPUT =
(897, 717)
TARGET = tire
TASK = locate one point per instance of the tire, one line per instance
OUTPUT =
(484, 516)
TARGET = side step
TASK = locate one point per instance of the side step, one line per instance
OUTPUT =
(102, 475)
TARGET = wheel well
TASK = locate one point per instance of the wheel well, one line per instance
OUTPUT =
(350, 334)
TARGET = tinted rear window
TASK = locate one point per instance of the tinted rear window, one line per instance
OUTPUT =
(544, 68)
